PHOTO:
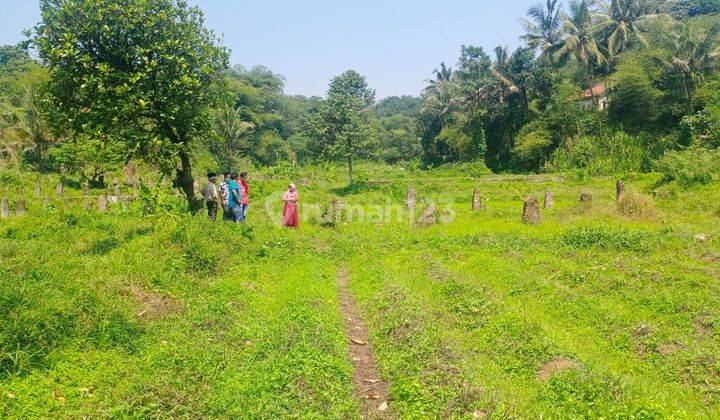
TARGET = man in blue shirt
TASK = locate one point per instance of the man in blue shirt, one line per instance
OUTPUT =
(235, 198)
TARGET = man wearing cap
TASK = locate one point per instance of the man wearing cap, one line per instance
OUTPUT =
(211, 196)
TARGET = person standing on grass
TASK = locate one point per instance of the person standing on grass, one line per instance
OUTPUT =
(290, 212)
(246, 194)
(210, 193)
(225, 198)
(235, 198)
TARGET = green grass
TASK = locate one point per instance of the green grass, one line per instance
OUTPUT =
(173, 316)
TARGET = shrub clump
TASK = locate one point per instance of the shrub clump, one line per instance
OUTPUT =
(636, 205)
(689, 167)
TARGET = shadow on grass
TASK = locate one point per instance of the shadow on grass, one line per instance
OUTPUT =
(356, 188)
(103, 246)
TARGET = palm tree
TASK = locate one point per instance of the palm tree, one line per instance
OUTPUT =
(444, 73)
(230, 128)
(11, 144)
(625, 18)
(579, 44)
(695, 53)
(34, 127)
(441, 100)
(543, 24)
(441, 95)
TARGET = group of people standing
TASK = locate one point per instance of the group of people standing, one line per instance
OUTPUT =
(234, 198)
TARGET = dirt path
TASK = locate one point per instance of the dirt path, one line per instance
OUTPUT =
(368, 384)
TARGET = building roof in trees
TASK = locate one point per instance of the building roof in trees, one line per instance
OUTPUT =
(598, 90)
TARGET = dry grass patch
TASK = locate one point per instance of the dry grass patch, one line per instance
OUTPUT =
(557, 364)
(153, 305)
(636, 205)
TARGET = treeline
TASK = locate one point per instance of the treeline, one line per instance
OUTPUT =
(597, 87)
(602, 87)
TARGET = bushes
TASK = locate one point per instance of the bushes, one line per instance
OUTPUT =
(703, 127)
(634, 99)
(689, 167)
(601, 155)
(532, 146)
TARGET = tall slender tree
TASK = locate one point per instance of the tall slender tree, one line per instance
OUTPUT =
(579, 44)
(695, 53)
(543, 25)
(624, 20)
(230, 128)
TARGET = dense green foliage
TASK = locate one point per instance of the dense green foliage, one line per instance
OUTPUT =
(342, 125)
(135, 72)
(652, 66)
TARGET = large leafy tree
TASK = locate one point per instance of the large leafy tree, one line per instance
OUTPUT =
(140, 71)
(543, 25)
(343, 123)
(579, 44)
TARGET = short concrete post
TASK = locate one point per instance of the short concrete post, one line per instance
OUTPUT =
(619, 189)
(102, 203)
(130, 172)
(5, 208)
(332, 214)
(86, 188)
(63, 173)
(428, 216)
(549, 199)
(531, 211)
(59, 188)
(477, 203)
(117, 191)
(38, 190)
(411, 199)
(21, 209)
(196, 188)
(46, 201)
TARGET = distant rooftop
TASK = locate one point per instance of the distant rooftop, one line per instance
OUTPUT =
(598, 90)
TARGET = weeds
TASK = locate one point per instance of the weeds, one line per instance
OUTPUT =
(635, 205)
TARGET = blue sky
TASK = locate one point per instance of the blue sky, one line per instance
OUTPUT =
(395, 44)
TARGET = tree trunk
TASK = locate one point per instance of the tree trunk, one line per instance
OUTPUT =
(589, 85)
(688, 94)
(350, 169)
(184, 180)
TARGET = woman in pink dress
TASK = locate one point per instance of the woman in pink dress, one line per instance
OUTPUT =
(290, 213)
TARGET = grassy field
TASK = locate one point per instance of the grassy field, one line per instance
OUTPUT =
(593, 313)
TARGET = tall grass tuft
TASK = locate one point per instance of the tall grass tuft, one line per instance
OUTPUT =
(636, 205)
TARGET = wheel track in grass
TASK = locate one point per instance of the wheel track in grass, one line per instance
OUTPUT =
(369, 386)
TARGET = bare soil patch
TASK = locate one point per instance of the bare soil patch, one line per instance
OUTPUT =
(666, 349)
(370, 387)
(153, 305)
(557, 364)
